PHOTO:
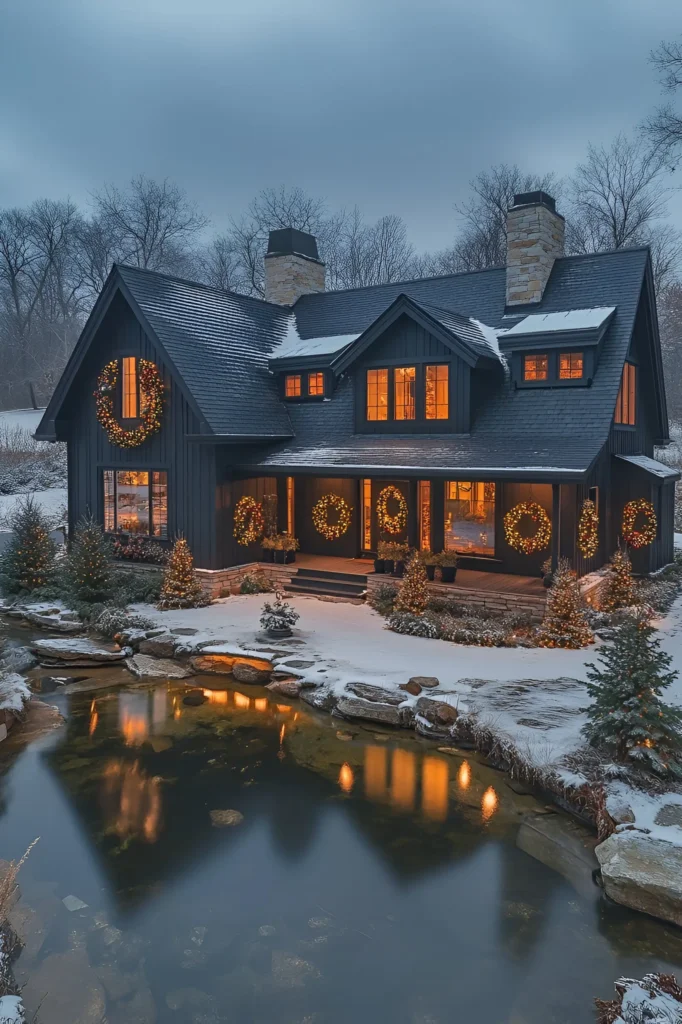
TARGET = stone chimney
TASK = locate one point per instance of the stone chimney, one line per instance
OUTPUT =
(535, 238)
(292, 266)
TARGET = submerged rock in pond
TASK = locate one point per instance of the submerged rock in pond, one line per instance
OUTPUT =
(643, 873)
(291, 971)
(78, 650)
(563, 845)
(226, 819)
(194, 699)
(66, 990)
(145, 667)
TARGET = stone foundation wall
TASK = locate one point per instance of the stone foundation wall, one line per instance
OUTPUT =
(223, 581)
(485, 599)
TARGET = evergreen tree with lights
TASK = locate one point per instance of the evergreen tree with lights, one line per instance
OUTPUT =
(29, 559)
(180, 587)
(413, 596)
(88, 573)
(627, 714)
(619, 588)
(564, 624)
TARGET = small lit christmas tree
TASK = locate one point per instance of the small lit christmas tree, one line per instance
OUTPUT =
(88, 573)
(180, 587)
(28, 560)
(627, 713)
(414, 592)
(564, 624)
(619, 586)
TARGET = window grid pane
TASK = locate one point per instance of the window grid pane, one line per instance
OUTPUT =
(160, 504)
(570, 365)
(377, 394)
(129, 411)
(315, 383)
(405, 377)
(109, 501)
(132, 501)
(367, 515)
(470, 517)
(292, 385)
(626, 401)
(535, 367)
(437, 392)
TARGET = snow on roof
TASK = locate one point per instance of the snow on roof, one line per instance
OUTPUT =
(570, 320)
(294, 345)
(650, 465)
(490, 336)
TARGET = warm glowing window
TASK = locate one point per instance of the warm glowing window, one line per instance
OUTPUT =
(470, 517)
(367, 515)
(129, 392)
(290, 505)
(626, 401)
(377, 394)
(315, 383)
(535, 367)
(424, 515)
(292, 385)
(136, 502)
(404, 385)
(570, 365)
(437, 392)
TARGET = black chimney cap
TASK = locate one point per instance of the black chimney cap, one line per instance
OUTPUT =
(286, 241)
(537, 198)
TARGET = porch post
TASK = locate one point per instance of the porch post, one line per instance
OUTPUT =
(556, 524)
(437, 515)
(413, 513)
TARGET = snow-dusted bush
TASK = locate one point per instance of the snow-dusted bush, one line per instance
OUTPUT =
(28, 465)
(114, 620)
(413, 625)
(383, 599)
(255, 583)
(278, 616)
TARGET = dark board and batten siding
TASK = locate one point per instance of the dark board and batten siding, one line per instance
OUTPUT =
(190, 467)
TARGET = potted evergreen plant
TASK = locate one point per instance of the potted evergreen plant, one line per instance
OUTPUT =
(401, 554)
(384, 556)
(268, 544)
(289, 547)
(429, 561)
(278, 618)
(447, 560)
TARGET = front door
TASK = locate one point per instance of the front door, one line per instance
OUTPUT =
(389, 511)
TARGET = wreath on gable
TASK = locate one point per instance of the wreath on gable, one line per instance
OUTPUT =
(249, 521)
(543, 533)
(320, 513)
(647, 534)
(151, 386)
(588, 529)
(388, 523)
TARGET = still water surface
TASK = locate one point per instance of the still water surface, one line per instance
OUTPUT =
(372, 878)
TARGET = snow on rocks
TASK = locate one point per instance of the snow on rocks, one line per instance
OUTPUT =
(11, 1010)
(146, 667)
(644, 873)
(77, 651)
(657, 998)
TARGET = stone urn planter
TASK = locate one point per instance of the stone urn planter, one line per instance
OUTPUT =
(379, 565)
(448, 573)
(278, 632)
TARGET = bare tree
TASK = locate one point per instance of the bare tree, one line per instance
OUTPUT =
(664, 127)
(670, 323)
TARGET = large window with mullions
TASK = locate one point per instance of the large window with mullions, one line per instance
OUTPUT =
(136, 502)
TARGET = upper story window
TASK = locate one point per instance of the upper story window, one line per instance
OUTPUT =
(571, 365)
(535, 367)
(404, 384)
(626, 401)
(129, 389)
(315, 384)
(136, 502)
(377, 394)
(292, 385)
(436, 392)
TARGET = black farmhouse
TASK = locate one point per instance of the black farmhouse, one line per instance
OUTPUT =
(509, 415)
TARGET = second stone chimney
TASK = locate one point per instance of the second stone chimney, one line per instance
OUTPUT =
(535, 238)
(292, 266)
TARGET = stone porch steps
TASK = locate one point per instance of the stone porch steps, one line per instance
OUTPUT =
(331, 584)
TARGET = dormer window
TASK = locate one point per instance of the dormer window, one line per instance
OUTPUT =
(405, 381)
(316, 384)
(571, 365)
(437, 388)
(377, 395)
(292, 385)
(535, 367)
(129, 389)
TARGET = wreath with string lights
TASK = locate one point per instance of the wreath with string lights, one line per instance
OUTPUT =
(588, 529)
(331, 531)
(249, 521)
(387, 523)
(647, 533)
(543, 532)
(151, 386)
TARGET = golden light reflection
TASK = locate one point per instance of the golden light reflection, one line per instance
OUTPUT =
(464, 775)
(94, 718)
(241, 700)
(132, 801)
(282, 731)
(261, 703)
(403, 779)
(159, 707)
(284, 708)
(376, 772)
(489, 803)
(346, 777)
(133, 718)
(435, 780)
(216, 696)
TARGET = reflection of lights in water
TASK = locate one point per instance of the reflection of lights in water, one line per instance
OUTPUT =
(435, 779)
(489, 802)
(261, 704)
(241, 700)
(94, 719)
(296, 717)
(159, 706)
(346, 777)
(281, 733)
(133, 717)
(132, 801)
(216, 696)
(403, 779)
(464, 775)
(284, 708)
(376, 772)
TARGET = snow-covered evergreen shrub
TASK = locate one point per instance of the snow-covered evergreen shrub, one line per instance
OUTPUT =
(255, 583)
(278, 616)
(137, 587)
(413, 625)
(114, 620)
(383, 599)
(28, 465)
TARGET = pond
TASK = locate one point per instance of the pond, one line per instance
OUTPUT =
(367, 876)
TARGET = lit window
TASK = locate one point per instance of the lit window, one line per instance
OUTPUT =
(129, 392)
(535, 367)
(377, 394)
(405, 377)
(292, 385)
(437, 392)
(424, 515)
(136, 502)
(470, 517)
(626, 401)
(315, 383)
(367, 515)
(290, 505)
(570, 366)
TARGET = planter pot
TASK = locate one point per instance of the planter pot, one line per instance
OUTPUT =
(279, 634)
(448, 573)
(379, 565)
(399, 569)
(267, 555)
(280, 557)
(388, 565)
(547, 580)
(431, 572)
(290, 557)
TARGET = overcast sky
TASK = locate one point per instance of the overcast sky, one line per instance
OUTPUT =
(393, 104)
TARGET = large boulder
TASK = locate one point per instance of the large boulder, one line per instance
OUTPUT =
(370, 711)
(375, 693)
(160, 646)
(145, 667)
(56, 623)
(76, 651)
(17, 659)
(247, 672)
(285, 687)
(643, 873)
(65, 988)
(222, 663)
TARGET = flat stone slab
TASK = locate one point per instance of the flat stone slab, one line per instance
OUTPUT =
(426, 682)
(376, 694)
(643, 873)
(77, 649)
(386, 714)
(145, 667)
(161, 646)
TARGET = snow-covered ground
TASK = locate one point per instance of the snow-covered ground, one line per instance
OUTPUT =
(52, 501)
(27, 419)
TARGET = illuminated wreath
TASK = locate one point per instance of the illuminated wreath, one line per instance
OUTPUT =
(647, 534)
(249, 521)
(388, 523)
(331, 531)
(588, 529)
(542, 535)
(151, 386)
